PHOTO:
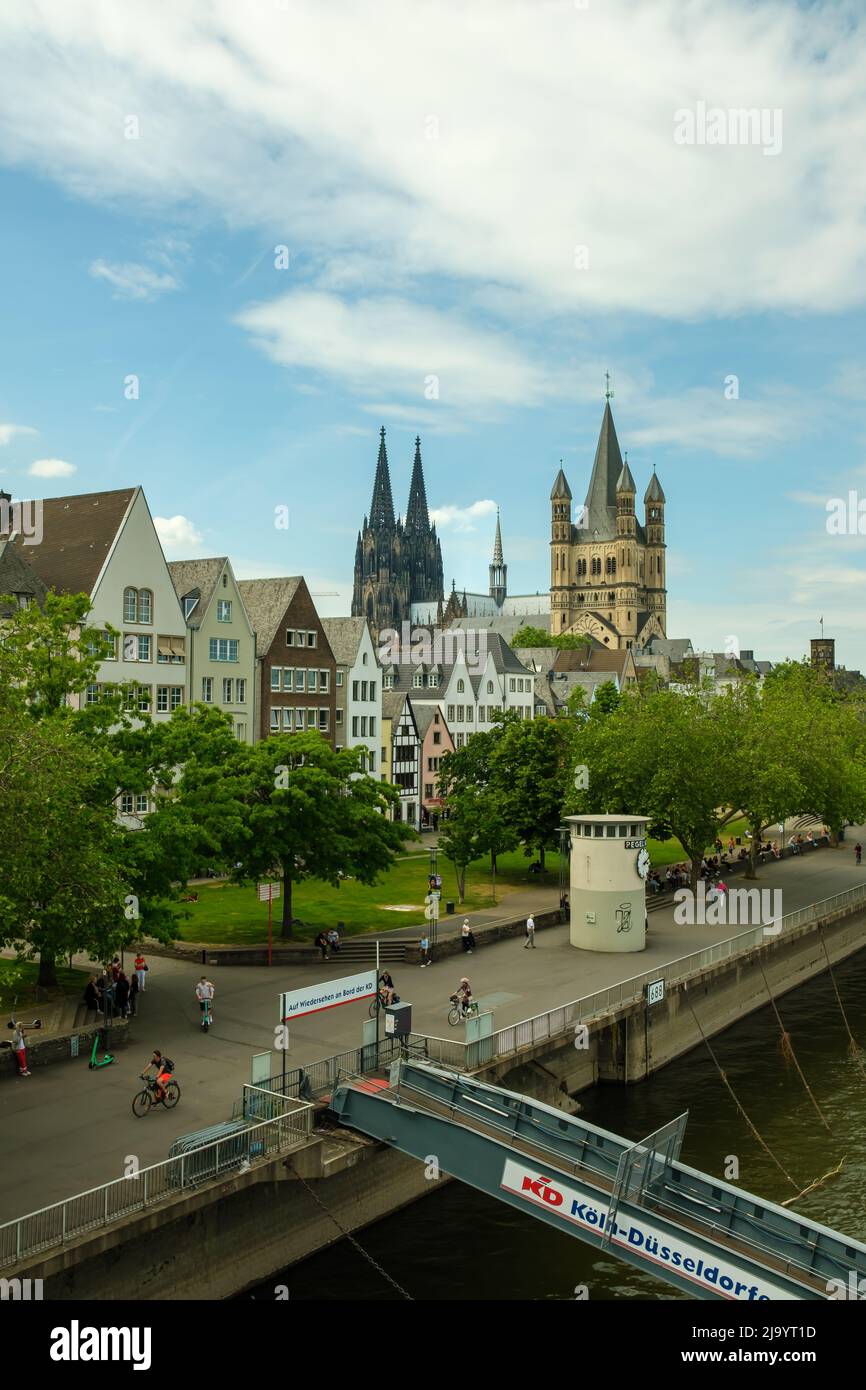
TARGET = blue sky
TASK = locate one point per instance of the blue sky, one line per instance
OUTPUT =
(497, 201)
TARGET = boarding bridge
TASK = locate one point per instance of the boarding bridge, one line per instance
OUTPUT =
(636, 1201)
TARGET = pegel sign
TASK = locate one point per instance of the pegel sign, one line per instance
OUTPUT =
(582, 1209)
(314, 998)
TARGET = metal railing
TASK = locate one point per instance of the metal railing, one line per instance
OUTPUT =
(115, 1201)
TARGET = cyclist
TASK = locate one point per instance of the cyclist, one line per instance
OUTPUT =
(164, 1069)
(858, 852)
(386, 988)
(204, 990)
(464, 994)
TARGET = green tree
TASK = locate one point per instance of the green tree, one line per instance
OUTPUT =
(477, 823)
(530, 767)
(50, 653)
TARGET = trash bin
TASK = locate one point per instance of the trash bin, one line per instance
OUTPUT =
(738, 840)
(449, 907)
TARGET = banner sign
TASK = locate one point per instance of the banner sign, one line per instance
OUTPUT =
(312, 999)
(707, 1269)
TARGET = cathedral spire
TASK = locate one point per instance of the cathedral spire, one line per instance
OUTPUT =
(497, 544)
(417, 517)
(382, 506)
(606, 471)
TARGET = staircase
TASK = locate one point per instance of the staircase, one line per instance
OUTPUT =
(362, 950)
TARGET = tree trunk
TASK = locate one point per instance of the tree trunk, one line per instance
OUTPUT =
(541, 857)
(694, 870)
(286, 932)
(47, 978)
(493, 862)
(461, 881)
(754, 844)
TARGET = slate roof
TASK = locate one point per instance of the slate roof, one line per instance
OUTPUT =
(266, 601)
(392, 704)
(78, 533)
(344, 636)
(560, 487)
(18, 577)
(201, 576)
(654, 492)
(674, 647)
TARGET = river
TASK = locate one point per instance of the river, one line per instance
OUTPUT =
(460, 1244)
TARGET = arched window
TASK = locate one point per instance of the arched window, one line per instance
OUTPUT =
(460, 687)
(490, 683)
(145, 606)
(130, 605)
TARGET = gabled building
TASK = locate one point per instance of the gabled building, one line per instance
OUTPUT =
(358, 717)
(405, 755)
(105, 545)
(435, 741)
(222, 644)
(19, 582)
(295, 667)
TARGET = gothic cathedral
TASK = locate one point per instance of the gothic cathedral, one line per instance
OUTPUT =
(607, 571)
(397, 562)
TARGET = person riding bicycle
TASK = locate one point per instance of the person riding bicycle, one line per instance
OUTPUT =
(386, 988)
(858, 852)
(204, 993)
(463, 995)
(164, 1069)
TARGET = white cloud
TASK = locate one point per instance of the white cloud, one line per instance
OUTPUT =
(177, 533)
(51, 468)
(552, 128)
(133, 281)
(439, 359)
(8, 432)
(452, 518)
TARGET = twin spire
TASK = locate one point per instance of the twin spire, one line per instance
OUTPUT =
(382, 506)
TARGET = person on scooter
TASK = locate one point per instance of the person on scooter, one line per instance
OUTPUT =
(205, 992)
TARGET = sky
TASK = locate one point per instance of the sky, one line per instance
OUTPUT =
(238, 237)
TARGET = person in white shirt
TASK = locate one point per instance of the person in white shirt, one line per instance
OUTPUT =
(205, 991)
(530, 933)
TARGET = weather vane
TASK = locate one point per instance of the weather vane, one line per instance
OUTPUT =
(608, 393)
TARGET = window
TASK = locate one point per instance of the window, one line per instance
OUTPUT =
(387, 682)
(372, 724)
(450, 714)
(418, 679)
(240, 692)
(287, 718)
(130, 605)
(144, 698)
(311, 719)
(371, 762)
(437, 737)
(363, 658)
(162, 698)
(290, 637)
(461, 711)
(144, 648)
(145, 606)
(312, 681)
(490, 687)
(372, 690)
(511, 683)
(299, 678)
(287, 677)
(275, 720)
(189, 603)
(311, 639)
(222, 648)
(460, 687)
(433, 679)
(363, 690)
(176, 696)
(241, 733)
(384, 755)
(228, 684)
(355, 689)
(480, 714)
(363, 726)
(141, 804)
(428, 790)
(354, 726)
(126, 804)
(339, 678)
(275, 678)
(324, 721)
(207, 689)
(468, 714)
(299, 719)
(339, 716)
(224, 610)
(459, 740)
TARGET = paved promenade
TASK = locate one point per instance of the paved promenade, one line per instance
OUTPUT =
(66, 1129)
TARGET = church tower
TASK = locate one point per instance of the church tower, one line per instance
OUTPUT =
(396, 562)
(498, 570)
(607, 571)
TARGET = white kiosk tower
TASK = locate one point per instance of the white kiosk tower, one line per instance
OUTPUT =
(609, 865)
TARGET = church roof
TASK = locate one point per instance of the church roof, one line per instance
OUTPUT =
(417, 516)
(382, 505)
(497, 544)
(606, 469)
(625, 482)
(654, 491)
(560, 487)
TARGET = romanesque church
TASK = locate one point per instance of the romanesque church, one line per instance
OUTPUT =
(607, 570)
(397, 562)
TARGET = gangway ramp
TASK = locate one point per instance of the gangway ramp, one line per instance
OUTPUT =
(636, 1201)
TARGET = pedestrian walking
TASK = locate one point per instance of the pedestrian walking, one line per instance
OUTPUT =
(466, 935)
(19, 1047)
(121, 995)
(530, 933)
(424, 945)
(858, 852)
(133, 995)
(141, 968)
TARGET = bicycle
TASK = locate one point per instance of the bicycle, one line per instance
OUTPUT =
(147, 1098)
(377, 1003)
(457, 1013)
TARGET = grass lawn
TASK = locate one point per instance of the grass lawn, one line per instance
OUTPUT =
(19, 978)
(228, 915)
